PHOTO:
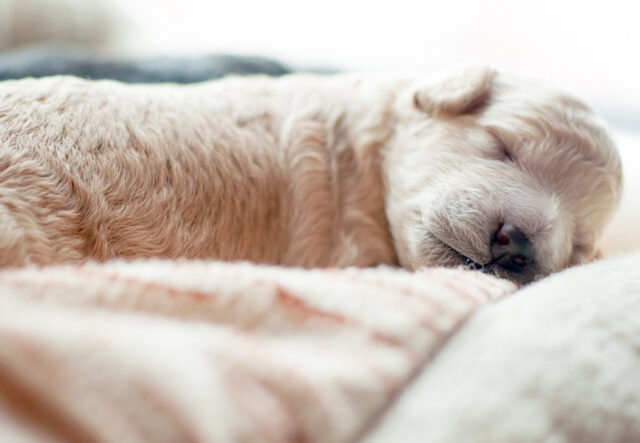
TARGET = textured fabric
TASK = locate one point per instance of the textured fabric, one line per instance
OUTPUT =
(205, 351)
(556, 362)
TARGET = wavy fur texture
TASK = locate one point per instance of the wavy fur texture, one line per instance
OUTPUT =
(304, 170)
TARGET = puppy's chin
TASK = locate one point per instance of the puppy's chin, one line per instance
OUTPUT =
(434, 252)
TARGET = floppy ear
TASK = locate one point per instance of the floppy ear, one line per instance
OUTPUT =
(457, 93)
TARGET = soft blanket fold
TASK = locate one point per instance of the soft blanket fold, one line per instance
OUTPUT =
(556, 362)
(206, 351)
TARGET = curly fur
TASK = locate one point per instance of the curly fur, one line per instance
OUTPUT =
(302, 170)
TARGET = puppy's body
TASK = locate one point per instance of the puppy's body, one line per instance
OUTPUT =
(265, 170)
(301, 170)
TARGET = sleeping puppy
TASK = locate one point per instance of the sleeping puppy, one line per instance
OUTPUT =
(475, 169)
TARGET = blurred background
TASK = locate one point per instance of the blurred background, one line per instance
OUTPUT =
(587, 47)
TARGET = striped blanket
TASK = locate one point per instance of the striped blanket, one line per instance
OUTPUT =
(204, 351)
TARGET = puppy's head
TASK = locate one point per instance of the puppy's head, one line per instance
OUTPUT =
(495, 173)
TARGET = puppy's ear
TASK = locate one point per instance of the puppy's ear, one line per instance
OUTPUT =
(457, 93)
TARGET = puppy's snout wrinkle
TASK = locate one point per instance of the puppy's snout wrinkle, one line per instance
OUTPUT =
(511, 248)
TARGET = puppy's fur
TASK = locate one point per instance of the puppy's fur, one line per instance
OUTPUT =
(302, 170)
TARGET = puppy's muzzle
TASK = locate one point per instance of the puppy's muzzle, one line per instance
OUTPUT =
(511, 248)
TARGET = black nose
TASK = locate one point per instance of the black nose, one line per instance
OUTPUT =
(510, 248)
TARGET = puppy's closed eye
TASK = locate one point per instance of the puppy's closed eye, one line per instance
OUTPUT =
(502, 150)
(507, 154)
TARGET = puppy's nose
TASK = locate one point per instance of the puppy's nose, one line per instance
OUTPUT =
(510, 247)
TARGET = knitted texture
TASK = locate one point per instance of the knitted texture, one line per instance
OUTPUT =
(169, 351)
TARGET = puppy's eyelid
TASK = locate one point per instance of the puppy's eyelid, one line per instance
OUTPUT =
(502, 147)
(507, 154)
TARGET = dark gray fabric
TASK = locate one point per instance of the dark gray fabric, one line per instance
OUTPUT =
(46, 61)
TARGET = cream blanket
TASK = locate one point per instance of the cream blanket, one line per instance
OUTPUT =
(556, 362)
(203, 351)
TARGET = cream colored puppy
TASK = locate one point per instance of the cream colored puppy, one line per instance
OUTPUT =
(474, 169)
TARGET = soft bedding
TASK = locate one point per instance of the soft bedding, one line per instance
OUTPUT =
(205, 351)
(558, 361)
(200, 351)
